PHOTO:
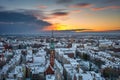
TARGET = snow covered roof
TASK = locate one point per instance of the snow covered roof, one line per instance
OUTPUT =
(73, 62)
(86, 76)
(90, 75)
(69, 68)
(50, 77)
(107, 42)
(14, 60)
(37, 69)
(41, 52)
(1, 44)
(11, 79)
(29, 57)
(39, 59)
(18, 69)
(59, 66)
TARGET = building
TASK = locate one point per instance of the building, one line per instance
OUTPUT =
(50, 70)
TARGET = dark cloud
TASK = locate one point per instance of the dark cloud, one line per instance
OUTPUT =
(59, 10)
(76, 30)
(60, 13)
(17, 22)
(19, 17)
(2, 8)
(111, 1)
(64, 1)
(81, 5)
(115, 31)
(37, 13)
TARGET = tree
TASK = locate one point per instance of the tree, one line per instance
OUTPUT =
(86, 57)
(111, 73)
(98, 62)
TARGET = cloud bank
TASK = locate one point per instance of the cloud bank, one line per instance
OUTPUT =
(19, 22)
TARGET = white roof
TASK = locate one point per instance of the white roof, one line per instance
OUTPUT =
(18, 69)
(73, 62)
(50, 77)
(39, 59)
(11, 79)
(41, 52)
(1, 43)
(20, 74)
(86, 76)
(36, 70)
(59, 66)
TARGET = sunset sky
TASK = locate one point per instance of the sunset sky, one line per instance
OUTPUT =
(45, 15)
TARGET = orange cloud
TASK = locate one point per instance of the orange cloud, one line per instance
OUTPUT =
(59, 27)
(114, 7)
(98, 9)
(76, 11)
(49, 28)
(104, 8)
(42, 7)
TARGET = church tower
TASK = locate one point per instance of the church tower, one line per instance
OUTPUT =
(50, 69)
(52, 51)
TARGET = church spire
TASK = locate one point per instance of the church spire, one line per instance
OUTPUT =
(52, 50)
(50, 69)
(52, 41)
(52, 34)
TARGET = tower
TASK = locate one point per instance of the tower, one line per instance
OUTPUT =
(50, 69)
(52, 51)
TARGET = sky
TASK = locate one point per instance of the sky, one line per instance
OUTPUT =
(19, 16)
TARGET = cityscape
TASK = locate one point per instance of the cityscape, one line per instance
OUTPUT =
(59, 40)
(75, 57)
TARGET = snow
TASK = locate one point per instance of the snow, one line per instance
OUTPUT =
(73, 62)
(38, 69)
(11, 79)
(59, 66)
(41, 52)
(86, 76)
(50, 77)
(11, 64)
(40, 59)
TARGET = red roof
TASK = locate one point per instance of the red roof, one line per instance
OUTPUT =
(49, 70)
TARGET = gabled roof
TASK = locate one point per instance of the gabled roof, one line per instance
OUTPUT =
(49, 70)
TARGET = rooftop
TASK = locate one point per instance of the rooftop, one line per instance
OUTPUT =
(50, 77)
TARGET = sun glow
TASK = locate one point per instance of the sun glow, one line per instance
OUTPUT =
(56, 26)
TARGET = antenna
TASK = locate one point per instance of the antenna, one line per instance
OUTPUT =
(52, 34)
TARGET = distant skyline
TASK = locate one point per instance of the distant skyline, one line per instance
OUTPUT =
(20, 16)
